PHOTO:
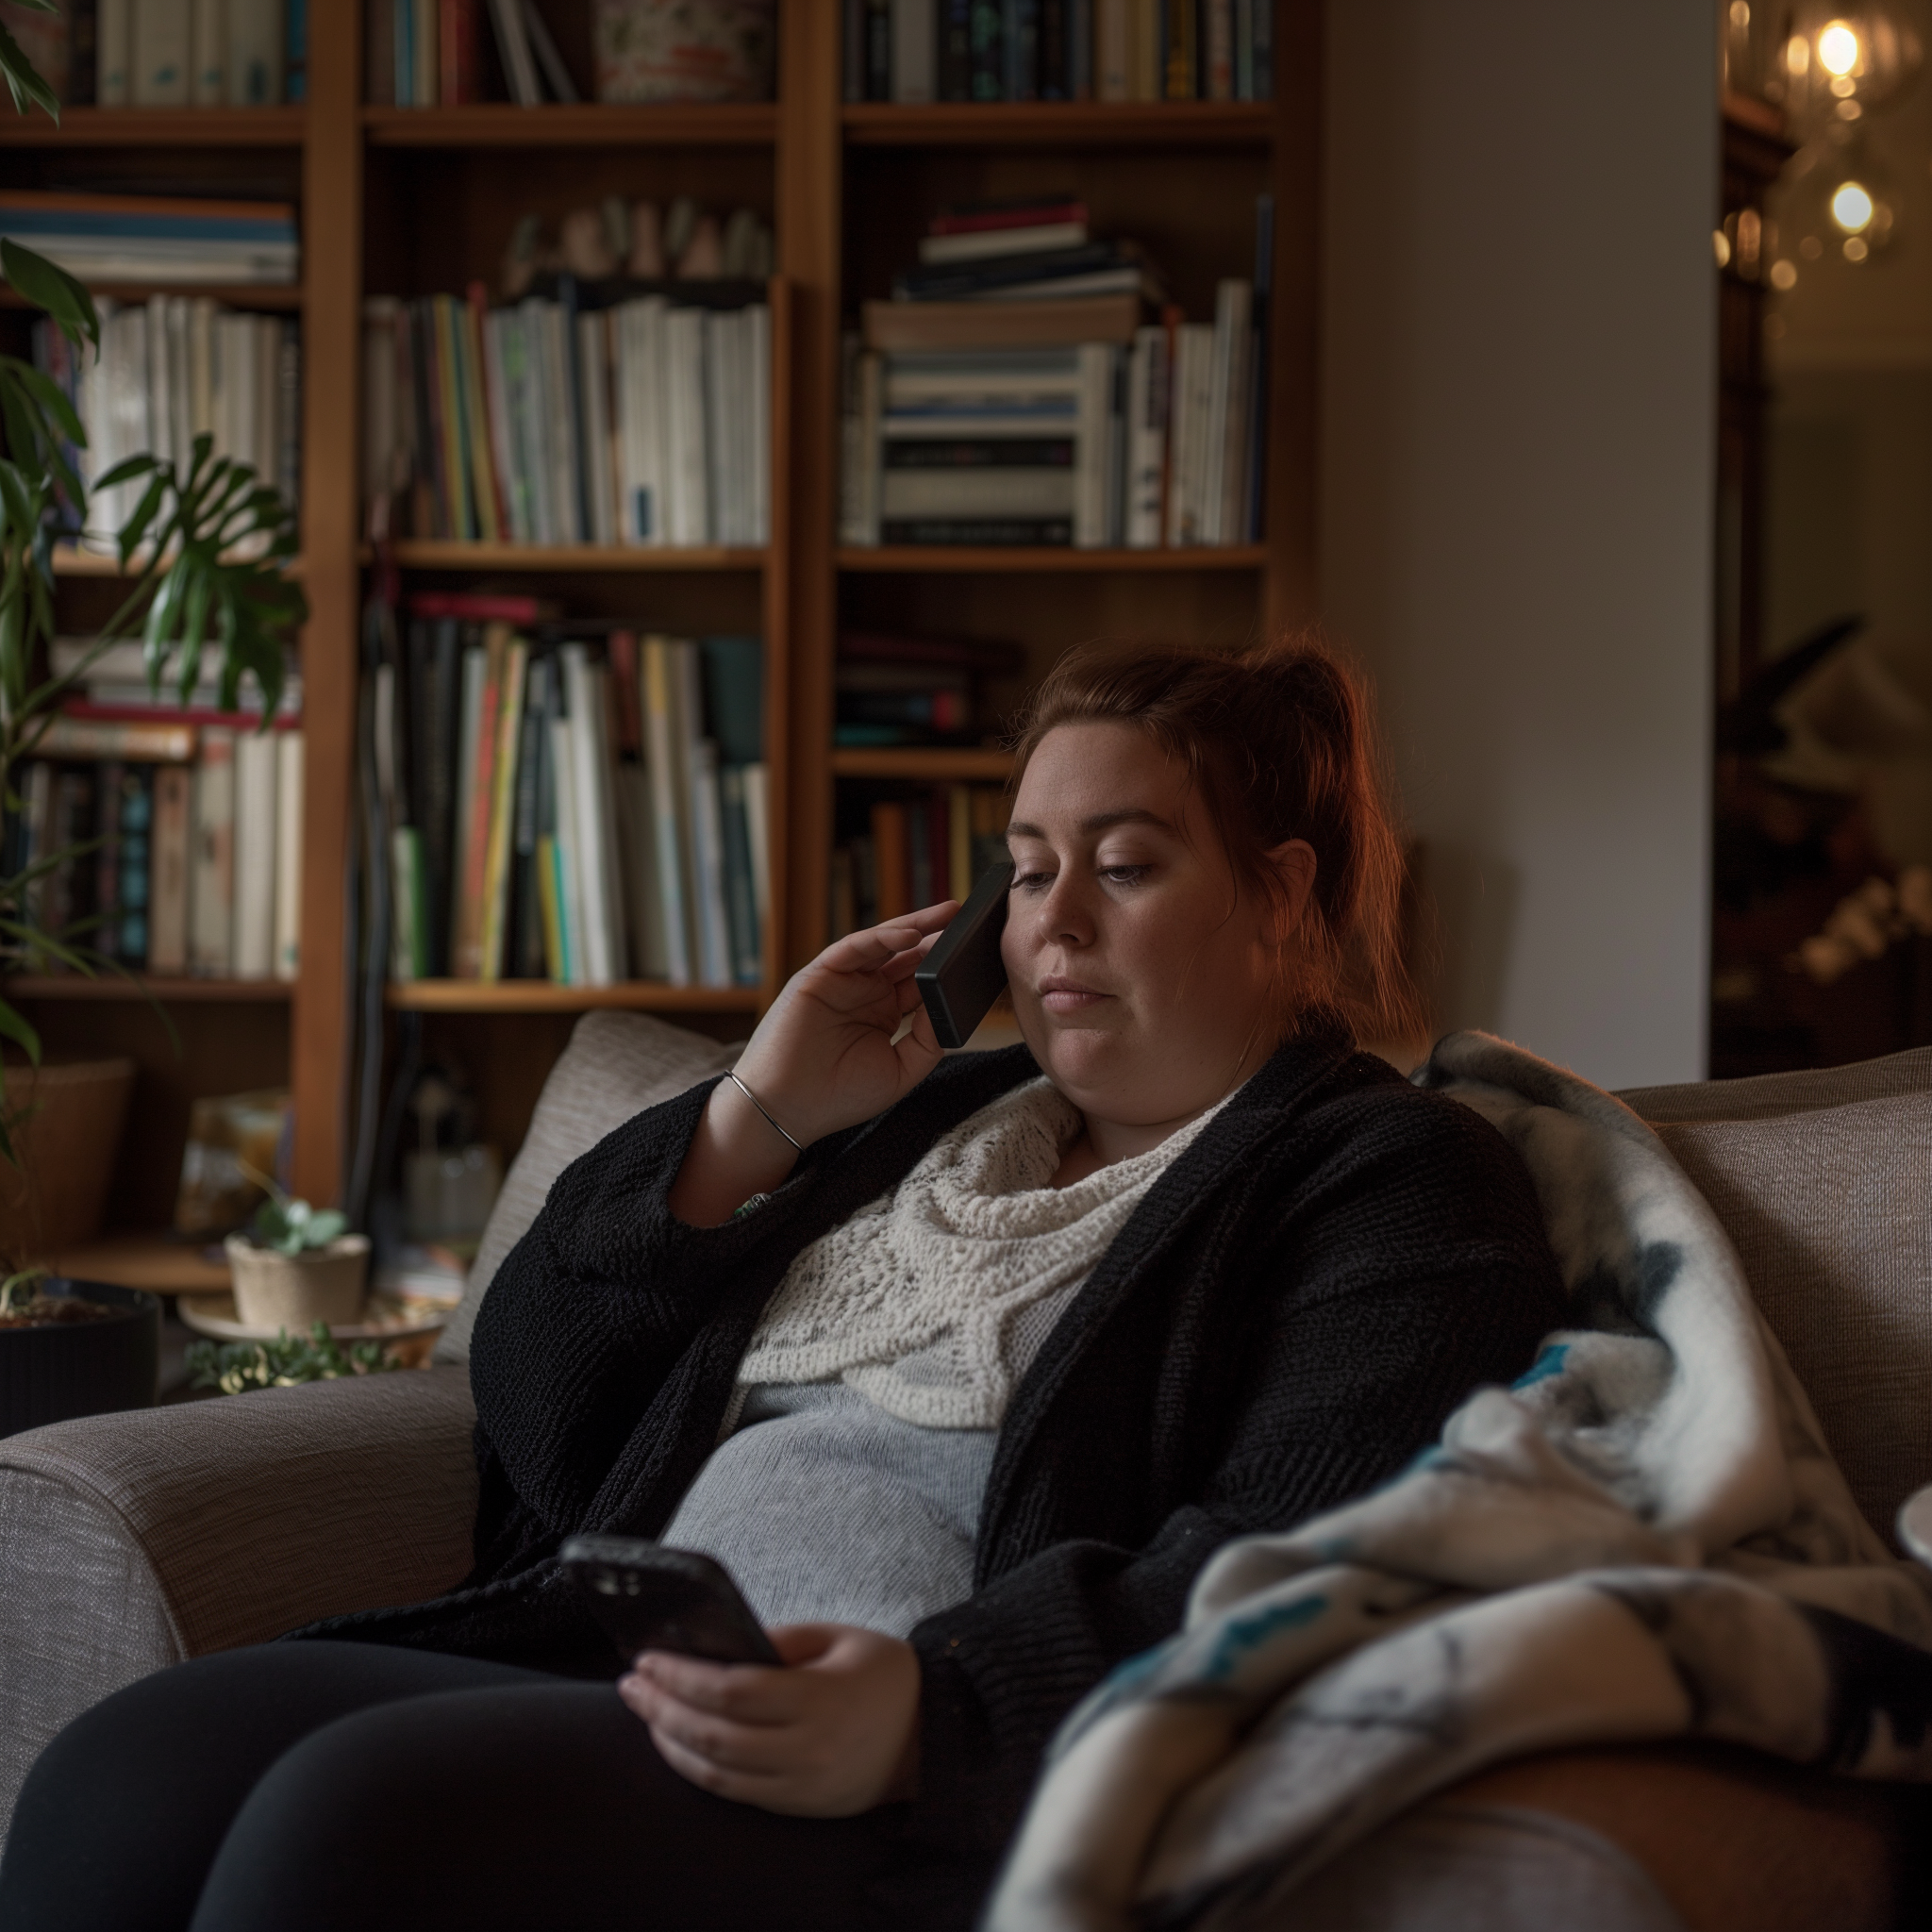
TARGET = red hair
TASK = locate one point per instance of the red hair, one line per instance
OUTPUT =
(1278, 742)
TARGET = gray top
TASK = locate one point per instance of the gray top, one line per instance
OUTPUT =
(828, 1510)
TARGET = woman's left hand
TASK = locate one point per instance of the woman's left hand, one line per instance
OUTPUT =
(833, 1733)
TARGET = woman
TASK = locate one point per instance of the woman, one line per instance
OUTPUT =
(962, 1370)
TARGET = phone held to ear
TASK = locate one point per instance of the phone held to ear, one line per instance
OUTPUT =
(963, 975)
(649, 1597)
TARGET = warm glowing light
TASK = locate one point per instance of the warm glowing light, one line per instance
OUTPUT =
(1851, 208)
(1721, 244)
(1838, 48)
(1784, 274)
(1855, 249)
(1798, 55)
(1740, 14)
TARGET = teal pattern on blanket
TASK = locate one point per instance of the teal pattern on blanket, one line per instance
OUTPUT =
(1645, 1536)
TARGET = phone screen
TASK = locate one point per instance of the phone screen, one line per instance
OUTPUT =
(649, 1597)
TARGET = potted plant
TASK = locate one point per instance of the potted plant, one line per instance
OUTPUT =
(297, 1266)
(204, 553)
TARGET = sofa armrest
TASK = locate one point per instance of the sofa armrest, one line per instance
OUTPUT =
(133, 1540)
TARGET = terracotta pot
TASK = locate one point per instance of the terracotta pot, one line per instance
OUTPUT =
(81, 1368)
(67, 1141)
(295, 1292)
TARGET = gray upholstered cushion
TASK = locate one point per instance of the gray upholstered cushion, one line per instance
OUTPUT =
(1823, 1180)
(132, 1540)
(616, 1065)
(1766, 1096)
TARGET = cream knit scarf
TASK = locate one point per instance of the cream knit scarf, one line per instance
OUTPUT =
(933, 1299)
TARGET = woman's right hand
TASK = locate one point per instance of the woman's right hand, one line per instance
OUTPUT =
(827, 1055)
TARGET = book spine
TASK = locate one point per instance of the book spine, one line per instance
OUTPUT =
(87, 739)
(467, 742)
(914, 53)
(482, 803)
(163, 59)
(528, 940)
(136, 827)
(878, 50)
(989, 69)
(457, 54)
(257, 52)
(953, 59)
(502, 828)
(106, 855)
(893, 882)
(1264, 50)
(1055, 50)
(255, 857)
(1217, 36)
(981, 531)
(170, 870)
(662, 763)
(295, 70)
(757, 833)
(708, 852)
(740, 899)
(485, 485)
(290, 770)
(569, 905)
(212, 893)
(586, 811)
(208, 82)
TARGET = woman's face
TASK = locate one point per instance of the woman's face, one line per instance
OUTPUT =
(1141, 968)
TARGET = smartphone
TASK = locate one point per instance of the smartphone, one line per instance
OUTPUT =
(963, 975)
(649, 1597)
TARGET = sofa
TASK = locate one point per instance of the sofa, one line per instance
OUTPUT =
(134, 1541)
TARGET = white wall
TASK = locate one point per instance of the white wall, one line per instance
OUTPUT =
(1518, 450)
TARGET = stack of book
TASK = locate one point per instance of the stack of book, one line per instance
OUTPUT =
(171, 370)
(1012, 393)
(182, 834)
(167, 53)
(114, 687)
(429, 52)
(919, 51)
(893, 690)
(645, 422)
(143, 238)
(573, 802)
(915, 849)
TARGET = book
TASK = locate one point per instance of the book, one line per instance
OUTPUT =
(287, 918)
(68, 737)
(256, 791)
(757, 829)
(1007, 276)
(997, 244)
(107, 858)
(514, 50)
(459, 54)
(708, 854)
(161, 62)
(557, 75)
(115, 53)
(480, 800)
(499, 844)
(168, 870)
(255, 53)
(900, 326)
(207, 79)
(914, 52)
(152, 238)
(740, 894)
(137, 821)
(211, 893)
(893, 882)
(670, 789)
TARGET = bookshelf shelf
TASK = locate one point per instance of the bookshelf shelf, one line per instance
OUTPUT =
(1062, 124)
(933, 764)
(75, 986)
(499, 124)
(162, 1262)
(960, 560)
(541, 996)
(429, 553)
(71, 562)
(158, 127)
(280, 296)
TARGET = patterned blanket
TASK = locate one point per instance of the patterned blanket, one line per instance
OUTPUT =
(1645, 1538)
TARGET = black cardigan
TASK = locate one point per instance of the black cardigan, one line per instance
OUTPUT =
(1290, 1313)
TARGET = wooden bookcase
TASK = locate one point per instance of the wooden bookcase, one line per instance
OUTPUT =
(412, 201)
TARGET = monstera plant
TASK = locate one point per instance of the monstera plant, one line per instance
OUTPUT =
(203, 555)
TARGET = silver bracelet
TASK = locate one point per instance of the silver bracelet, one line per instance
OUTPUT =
(760, 1106)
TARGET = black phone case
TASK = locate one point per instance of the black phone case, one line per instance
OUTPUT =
(649, 1597)
(962, 976)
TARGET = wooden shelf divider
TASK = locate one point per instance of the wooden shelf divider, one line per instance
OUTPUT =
(1060, 123)
(157, 128)
(77, 986)
(435, 553)
(541, 996)
(498, 123)
(959, 559)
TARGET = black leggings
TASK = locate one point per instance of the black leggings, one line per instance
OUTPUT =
(339, 1785)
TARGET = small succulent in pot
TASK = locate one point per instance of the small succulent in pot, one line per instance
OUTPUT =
(291, 1227)
(297, 1266)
